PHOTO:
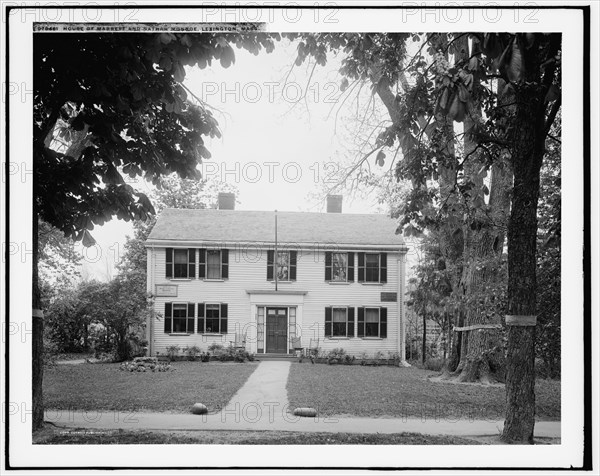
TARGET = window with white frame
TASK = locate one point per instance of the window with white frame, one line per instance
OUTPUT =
(212, 318)
(339, 321)
(180, 263)
(372, 267)
(283, 266)
(213, 263)
(372, 322)
(179, 318)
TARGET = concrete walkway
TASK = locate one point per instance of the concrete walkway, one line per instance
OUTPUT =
(261, 404)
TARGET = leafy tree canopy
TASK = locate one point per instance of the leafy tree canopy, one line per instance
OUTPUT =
(113, 104)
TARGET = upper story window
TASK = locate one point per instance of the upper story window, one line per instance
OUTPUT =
(213, 264)
(180, 263)
(284, 266)
(339, 267)
(372, 267)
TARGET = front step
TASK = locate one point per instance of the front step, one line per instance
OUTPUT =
(275, 357)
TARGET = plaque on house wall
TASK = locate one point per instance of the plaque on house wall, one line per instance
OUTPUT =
(389, 297)
(169, 290)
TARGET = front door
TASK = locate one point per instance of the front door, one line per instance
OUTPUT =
(276, 336)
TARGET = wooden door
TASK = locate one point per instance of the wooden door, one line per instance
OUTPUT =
(276, 330)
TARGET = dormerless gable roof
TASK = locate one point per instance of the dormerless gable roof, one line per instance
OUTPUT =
(240, 226)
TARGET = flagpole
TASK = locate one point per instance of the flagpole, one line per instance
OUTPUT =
(275, 259)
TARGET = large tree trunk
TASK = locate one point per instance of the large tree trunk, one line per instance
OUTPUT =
(38, 338)
(482, 253)
(527, 155)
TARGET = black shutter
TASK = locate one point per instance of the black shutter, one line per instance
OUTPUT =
(190, 318)
(383, 267)
(168, 317)
(361, 267)
(327, 322)
(350, 322)
(223, 319)
(192, 263)
(293, 256)
(270, 265)
(202, 263)
(169, 265)
(225, 264)
(328, 266)
(350, 267)
(200, 327)
(383, 322)
(361, 322)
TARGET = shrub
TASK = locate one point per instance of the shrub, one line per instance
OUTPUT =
(349, 360)
(363, 356)
(145, 366)
(192, 352)
(215, 348)
(172, 351)
(434, 364)
(50, 353)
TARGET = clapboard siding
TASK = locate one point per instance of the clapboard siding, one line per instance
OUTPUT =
(248, 271)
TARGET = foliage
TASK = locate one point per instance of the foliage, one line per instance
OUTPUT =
(230, 353)
(137, 366)
(125, 113)
(173, 351)
(548, 346)
(58, 260)
(192, 352)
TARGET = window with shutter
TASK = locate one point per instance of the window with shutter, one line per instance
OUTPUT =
(180, 263)
(339, 322)
(213, 264)
(284, 265)
(212, 319)
(179, 319)
(372, 267)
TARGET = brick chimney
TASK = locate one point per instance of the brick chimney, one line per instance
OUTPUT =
(334, 203)
(226, 201)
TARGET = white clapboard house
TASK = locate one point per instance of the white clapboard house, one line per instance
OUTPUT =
(272, 282)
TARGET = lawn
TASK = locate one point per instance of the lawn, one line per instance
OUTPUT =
(404, 392)
(57, 436)
(105, 387)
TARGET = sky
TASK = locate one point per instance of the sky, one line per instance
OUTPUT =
(281, 135)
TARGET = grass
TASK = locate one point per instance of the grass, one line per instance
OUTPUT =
(105, 387)
(79, 436)
(399, 392)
